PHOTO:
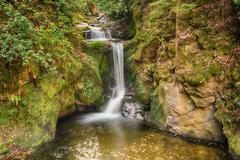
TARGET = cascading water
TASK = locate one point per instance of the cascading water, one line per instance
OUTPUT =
(112, 108)
(98, 34)
(119, 90)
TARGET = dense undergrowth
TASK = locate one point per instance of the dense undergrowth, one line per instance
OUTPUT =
(114, 8)
(38, 31)
(43, 69)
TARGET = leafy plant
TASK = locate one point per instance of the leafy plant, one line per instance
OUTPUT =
(15, 37)
(114, 8)
(237, 2)
(37, 33)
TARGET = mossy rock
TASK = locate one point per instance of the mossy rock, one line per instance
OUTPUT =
(3, 148)
(67, 101)
(33, 116)
(101, 53)
(142, 89)
(234, 143)
(40, 105)
(89, 93)
(157, 113)
(201, 73)
(7, 113)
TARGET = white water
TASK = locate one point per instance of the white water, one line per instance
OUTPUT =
(98, 34)
(113, 106)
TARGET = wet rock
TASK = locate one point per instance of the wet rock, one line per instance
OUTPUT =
(133, 110)
(131, 107)
(123, 29)
(82, 25)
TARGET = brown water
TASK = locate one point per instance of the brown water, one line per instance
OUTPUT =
(120, 139)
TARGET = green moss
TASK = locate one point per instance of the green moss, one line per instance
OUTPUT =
(142, 89)
(67, 100)
(7, 114)
(235, 73)
(33, 118)
(36, 118)
(88, 92)
(85, 81)
(132, 29)
(71, 70)
(205, 38)
(201, 73)
(157, 113)
(51, 85)
(3, 148)
(34, 137)
(158, 9)
(41, 108)
(95, 46)
(100, 52)
(234, 143)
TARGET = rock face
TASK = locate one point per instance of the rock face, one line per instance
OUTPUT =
(181, 115)
(123, 29)
(31, 120)
(194, 93)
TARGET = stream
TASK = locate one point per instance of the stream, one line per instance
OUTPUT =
(109, 136)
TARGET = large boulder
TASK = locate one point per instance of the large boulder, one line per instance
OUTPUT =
(181, 115)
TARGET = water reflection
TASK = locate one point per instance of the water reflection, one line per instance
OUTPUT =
(120, 139)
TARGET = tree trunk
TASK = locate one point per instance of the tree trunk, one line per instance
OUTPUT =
(177, 30)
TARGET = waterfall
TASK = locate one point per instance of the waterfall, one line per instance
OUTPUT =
(97, 33)
(118, 92)
(112, 108)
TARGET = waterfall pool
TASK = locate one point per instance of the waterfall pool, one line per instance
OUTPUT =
(120, 139)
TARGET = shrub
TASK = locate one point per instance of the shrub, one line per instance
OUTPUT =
(114, 8)
(237, 2)
(15, 36)
(39, 32)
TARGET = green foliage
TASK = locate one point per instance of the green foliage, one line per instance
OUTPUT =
(16, 43)
(37, 33)
(237, 2)
(39, 69)
(6, 114)
(64, 10)
(114, 8)
(3, 148)
(185, 8)
(52, 46)
(228, 113)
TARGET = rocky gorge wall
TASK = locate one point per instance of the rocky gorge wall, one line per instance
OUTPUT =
(33, 98)
(187, 72)
(31, 120)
